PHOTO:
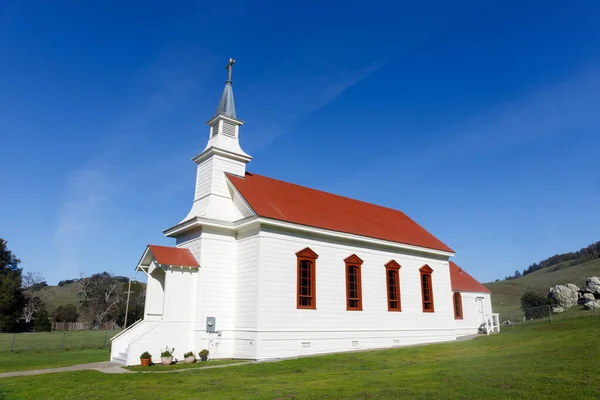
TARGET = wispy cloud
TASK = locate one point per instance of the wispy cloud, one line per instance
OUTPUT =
(562, 108)
(92, 188)
(87, 191)
(285, 104)
(559, 109)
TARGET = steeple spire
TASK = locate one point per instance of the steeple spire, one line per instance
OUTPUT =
(227, 105)
(221, 156)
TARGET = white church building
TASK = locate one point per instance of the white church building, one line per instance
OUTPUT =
(265, 269)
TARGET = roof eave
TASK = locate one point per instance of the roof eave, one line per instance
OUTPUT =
(225, 118)
(351, 236)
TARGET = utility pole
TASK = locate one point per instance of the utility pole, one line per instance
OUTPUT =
(127, 304)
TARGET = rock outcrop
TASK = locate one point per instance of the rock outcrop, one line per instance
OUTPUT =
(565, 295)
(585, 297)
(592, 285)
(558, 309)
(590, 305)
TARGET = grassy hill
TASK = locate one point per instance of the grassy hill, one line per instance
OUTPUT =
(60, 295)
(506, 294)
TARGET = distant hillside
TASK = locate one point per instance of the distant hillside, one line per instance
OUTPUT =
(60, 295)
(564, 260)
(506, 294)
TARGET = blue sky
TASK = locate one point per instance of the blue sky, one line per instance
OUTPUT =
(478, 119)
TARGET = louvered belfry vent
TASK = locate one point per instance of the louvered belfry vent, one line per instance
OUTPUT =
(215, 129)
(228, 129)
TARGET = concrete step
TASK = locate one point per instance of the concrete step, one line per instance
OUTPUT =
(122, 361)
(120, 358)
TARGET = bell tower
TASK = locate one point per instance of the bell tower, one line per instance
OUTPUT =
(223, 154)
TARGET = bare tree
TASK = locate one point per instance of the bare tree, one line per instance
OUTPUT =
(33, 304)
(100, 295)
(31, 283)
(31, 279)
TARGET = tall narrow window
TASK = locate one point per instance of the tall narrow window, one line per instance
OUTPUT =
(307, 284)
(458, 313)
(392, 274)
(426, 288)
(353, 283)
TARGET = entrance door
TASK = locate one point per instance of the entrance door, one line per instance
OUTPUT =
(479, 301)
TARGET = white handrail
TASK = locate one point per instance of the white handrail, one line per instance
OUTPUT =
(135, 339)
(126, 329)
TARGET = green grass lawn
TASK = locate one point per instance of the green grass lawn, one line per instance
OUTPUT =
(56, 340)
(559, 360)
(26, 360)
(182, 365)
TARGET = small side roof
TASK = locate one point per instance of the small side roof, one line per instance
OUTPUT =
(463, 282)
(168, 256)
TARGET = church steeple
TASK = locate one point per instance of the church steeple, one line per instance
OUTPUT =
(225, 126)
(227, 105)
(222, 155)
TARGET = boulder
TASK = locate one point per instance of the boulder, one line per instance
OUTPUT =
(565, 295)
(572, 287)
(558, 309)
(590, 305)
(592, 285)
(585, 297)
(507, 322)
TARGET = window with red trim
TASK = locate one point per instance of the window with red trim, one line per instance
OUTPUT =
(392, 276)
(307, 283)
(426, 288)
(458, 312)
(353, 283)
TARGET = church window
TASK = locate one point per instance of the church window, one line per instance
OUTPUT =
(458, 312)
(353, 283)
(307, 284)
(426, 288)
(392, 276)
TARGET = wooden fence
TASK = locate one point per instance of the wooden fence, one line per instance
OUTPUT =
(82, 326)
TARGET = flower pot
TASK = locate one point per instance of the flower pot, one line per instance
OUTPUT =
(189, 359)
(205, 358)
(145, 362)
(166, 360)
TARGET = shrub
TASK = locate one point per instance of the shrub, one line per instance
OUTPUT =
(66, 313)
(146, 355)
(189, 354)
(534, 304)
(167, 352)
(204, 353)
(42, 322)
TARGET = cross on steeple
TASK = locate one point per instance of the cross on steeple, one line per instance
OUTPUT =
(229, 67)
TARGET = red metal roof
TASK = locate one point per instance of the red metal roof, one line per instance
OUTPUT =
(287, 202)
(463, 282)
(173, 256)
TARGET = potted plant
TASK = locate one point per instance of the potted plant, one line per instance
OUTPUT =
(166, 356)
(189, 357)
(203, 355)
(146, 359)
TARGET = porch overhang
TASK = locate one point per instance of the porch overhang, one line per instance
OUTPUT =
(166, 257)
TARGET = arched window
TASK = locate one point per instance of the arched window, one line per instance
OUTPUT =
(353, 283)
(458, 312)
(426, 288)
(392, 279)
(307, 282)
